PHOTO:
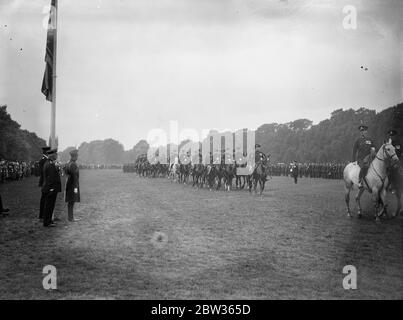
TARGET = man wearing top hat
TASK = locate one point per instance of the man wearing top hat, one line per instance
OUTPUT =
(51, 187)
(41, 179)
(362, 147)
(72, 193)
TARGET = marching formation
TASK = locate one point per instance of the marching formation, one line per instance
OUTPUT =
(213, 176)
(217, 175)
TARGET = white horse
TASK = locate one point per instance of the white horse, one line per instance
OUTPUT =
(174, 170)
(376, 179)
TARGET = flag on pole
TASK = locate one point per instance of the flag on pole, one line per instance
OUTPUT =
(47, 83)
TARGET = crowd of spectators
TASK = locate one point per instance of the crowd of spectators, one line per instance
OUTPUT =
(17, 170)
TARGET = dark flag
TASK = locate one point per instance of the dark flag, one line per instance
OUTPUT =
(47, 83)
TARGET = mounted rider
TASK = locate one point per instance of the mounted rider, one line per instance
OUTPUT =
(260, 158)
(393, 140)
(362, 148)
(393, 174)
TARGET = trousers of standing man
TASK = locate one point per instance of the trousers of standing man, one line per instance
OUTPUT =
(49, 206)
(42, 205)
(41, 181)
(51, 187)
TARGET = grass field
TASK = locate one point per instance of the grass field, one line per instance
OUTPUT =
(154, 239)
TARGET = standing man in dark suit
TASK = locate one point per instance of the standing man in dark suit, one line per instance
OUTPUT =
(41, 179)
(295, 170)
(361, 149)
(72, 194)
(51, 187)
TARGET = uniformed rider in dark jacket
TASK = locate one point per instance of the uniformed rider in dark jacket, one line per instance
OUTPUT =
(361, 149)
(394, 174)
(260, 157)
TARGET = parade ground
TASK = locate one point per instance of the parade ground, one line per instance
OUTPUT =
(142, 238)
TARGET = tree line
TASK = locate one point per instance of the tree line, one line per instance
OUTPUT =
(330, 140)
(17, 144)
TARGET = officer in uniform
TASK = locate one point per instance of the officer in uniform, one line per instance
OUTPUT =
(51, 187)
(394, 172)
(72, 190)
(41, 179)
(260, 157)
(392, 138)
(361, 149)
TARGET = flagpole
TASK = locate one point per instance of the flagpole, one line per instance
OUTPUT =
(54, 66)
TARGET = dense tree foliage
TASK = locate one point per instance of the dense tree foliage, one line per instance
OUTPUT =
(140, 148)
(329, 140)
(15, 143)
(108, 151)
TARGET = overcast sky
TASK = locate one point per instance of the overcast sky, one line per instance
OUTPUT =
(128, 66)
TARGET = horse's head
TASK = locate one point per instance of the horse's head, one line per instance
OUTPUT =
(388, 152)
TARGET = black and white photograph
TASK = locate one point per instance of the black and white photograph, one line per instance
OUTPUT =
(201, 150)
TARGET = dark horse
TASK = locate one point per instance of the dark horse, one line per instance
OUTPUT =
(197, 173)
(396, 184)
(229, 173)
(258, 176)
(210, 176)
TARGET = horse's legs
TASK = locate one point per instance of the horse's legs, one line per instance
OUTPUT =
(357, 199)
(261, 182)
(347, 199)
(399, 201)
(376, 199)
(194, 180)
(382, 202)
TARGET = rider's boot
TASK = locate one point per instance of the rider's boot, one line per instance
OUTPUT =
(361, 179)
